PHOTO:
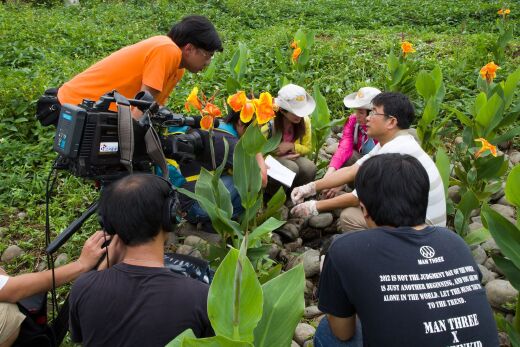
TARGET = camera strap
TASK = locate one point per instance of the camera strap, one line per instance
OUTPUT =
(125, 131)
(155, 152)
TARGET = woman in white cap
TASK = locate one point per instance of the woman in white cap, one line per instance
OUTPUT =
(354, 142)
(292, 120)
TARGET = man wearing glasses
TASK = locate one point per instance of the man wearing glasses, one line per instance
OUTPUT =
(387, 123)
(155, 65)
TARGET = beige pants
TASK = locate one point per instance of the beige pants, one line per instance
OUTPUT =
(351, 219)
(305, 170)
(10, 321)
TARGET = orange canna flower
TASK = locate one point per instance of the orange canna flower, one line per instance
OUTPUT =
(296, 53)
(212, 110)
(294, 44)
(206, 122)
(504, 12)
(485, 146)
(247, 111)
(406, 47)
(488, 71)
(237, 101)
(264, 108)
(193, 100)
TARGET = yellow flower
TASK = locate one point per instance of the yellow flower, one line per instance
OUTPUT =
(296, 53)
(504, 12)
(485, 146)
(237, 100)
(247, 111)
(294, 44)
(193, 100)
(264, 108)
(210, 112)
(488, 71)
(407, 47)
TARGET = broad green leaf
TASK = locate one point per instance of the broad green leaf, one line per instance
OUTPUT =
(465, 120)
(506, 234)
(266, 227)
(468, 203)
(235, 298)
(283, 308)
(246, 175)
(510, 87)
(514, 335)
(272, 143)
(437, 78)
(509, 269)
(487, 113)
(443, 165)
(425, 85)
(490, 167)
(215, 341)
(232, 85)
(477, 236)
(253, 141)
(178, 341)
(271, 274)
(273, 206)
(209, 72)
(508, 135)
(215, 191)
(513, 187)
(480, 101)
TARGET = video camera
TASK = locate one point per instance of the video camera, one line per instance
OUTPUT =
(89, 142)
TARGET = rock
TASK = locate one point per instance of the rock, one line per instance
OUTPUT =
(321, 221)
(506, 211)
(303, 333)
(294, 344)
(475, 212)
(42, 266)
(274, 250)
(172, 240)
(277, 239)
(61, 260)
(186, 229)
(309, 289)
(21, 215)
(479, 255)
(337, 129)
(311, 312)
(331, 141)
(486, 274)
(476, 219)
(71, 2)
(293, 246)
(490, 246)
(500, 292)
(308, 234)
(500, 193)
(332, 148)
(504, 201)
(475, 226)
(284, 212)
(308, 343)
(458, 140)
(289, 231)
(184, 249)
(12, 252)
(490, 264)
(454, 194)
(514, 157)
(503, 339)
(311, 262)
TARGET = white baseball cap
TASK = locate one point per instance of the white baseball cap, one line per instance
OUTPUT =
(362, 98)
(296, 100)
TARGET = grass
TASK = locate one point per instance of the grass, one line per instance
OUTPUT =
(43, 46)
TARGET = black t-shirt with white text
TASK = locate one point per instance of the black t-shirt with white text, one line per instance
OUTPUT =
(408, 287)
(128, 305)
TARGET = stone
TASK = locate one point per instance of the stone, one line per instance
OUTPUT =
(311, 312)
(500, 292)
(303, 333)
(61, 260)
(186, 229)
(284, 212)
(476, 219)
(454, 194)
(475, 226)
(308, 343)
(195, 242)
(277, 239)
(321, 221)
(12, 252)
(273, 252)
(172, 240)
(42, 266)
(458, 140)
(479, 254)
(490, 245)
(490, 264)
(289, 231)
(503, 339)
(506, 211)
(498, 194)
(309, 289)
(475, 212)
(308, 234)
(332, 148)
(503, 201)
(294, 344)
(311, 262)
(331, 141)
(184, 249)
(486, 274)
(293, 246)
(514, 157)
(21, 215)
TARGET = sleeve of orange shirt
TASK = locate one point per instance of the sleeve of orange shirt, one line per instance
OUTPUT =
(161, 63)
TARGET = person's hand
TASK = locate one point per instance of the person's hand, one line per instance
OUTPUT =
(290, 156)
(302, 192)
(306, 209)
(331, 193)
(263, 168)
(92, 250)
(284, 147)
(325, 192)
(116, 253)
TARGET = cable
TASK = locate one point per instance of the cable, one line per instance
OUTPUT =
(50, 261)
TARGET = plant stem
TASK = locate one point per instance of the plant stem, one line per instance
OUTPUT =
(516, 321)
(212, 149)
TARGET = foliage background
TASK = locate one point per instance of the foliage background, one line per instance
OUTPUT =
(43, 44)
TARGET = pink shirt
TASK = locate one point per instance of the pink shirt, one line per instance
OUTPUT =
(346, 144)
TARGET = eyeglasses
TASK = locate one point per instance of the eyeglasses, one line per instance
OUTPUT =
(206, 54)
(374, 113)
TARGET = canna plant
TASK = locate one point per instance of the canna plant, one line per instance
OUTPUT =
(400, 70)
(505, 34)
(294, 64)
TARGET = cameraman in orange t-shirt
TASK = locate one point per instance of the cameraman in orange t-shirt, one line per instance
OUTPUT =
(154, 65)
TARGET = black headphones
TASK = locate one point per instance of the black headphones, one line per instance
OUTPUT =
(170, 215)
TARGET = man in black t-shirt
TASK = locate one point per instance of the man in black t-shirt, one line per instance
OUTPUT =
(408, 284)
(137, 302)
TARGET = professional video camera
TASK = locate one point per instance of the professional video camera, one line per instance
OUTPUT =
(91, 141)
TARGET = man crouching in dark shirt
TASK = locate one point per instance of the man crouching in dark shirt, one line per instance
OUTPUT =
(408, 283)
(137, 302)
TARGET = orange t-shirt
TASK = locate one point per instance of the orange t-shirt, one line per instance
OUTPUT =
(153, 62)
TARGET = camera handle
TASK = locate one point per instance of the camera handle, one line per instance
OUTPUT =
(71, 229)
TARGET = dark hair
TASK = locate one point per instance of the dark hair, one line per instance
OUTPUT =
(198, 31)
(233, 117)
(397, 105)
(299, 128)
(394, 189)
(133, 207)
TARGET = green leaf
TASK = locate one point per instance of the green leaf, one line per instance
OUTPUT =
(425, 85)
(178, 341)
(465, 120)
(272, 143)
(490, 167)
(480, 101)
(506, 234)
(266, 227)
(232, 85)
(509, 269)
(253, 140)
(443, 165)
(491, 110)
(510, 87)
(215, 341)
(215, 191)
(513, 186)
(514, 335)
(273, 206)
(477, 236)
(246, 174)
(271, 273)
(508, 135)
(209, 72)
(283, 309)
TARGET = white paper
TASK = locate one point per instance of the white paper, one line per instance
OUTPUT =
(279, 172)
